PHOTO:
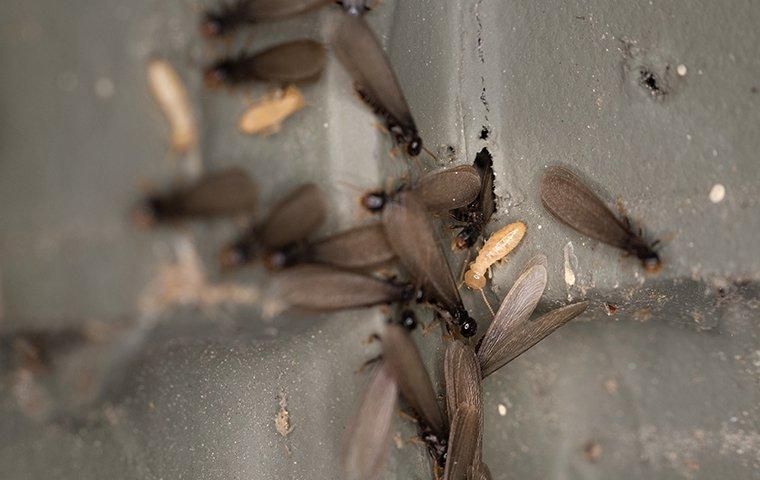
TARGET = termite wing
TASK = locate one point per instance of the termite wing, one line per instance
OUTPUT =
(296, 61)
(571, 201)
(512, 332)
(289, 222)
(224, 193)
(359, 51)
(476, 215)
(462, 444)
(464, 389)
(229, 17)
(440, 190)
(357, 248)
(410, 232)
(323, 289)
(365, 444)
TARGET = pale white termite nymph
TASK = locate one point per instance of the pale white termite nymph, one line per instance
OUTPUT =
(495, 249)
(171, 95)
(267, 115)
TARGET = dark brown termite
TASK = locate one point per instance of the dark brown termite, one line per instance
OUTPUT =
(359, 51)
(473, 218)
(357, 248)
(296, 61)
(572, 202)
(290, 222)
(227, 18)
(440, 190)
(365, 444)
(403, 359)
(322, 289)
(512, 332)
(224, 193)
(411, 235)
(464, 388)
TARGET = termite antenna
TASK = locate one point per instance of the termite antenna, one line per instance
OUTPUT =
(483, 294)
(427, 150)
(353, 187)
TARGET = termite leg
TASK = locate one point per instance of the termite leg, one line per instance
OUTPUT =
(368, 363)
(483, 294)
(464, 267)
(435, 159)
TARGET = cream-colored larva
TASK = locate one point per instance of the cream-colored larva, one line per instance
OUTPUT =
(495, 249)
(267, 115)
(171, 95)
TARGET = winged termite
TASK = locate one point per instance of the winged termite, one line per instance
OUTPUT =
(229, 17)
(572, 202)
(512, 332)
(289, 222)
(440, 190)
(291, 62)
(462, 372)
(463, 440)
(226, 192)
(267, 115)
(359, 51)
(476, 215)
(411, 235)
(498, 246)
(357, 248)
(322, 288)
(365, 444)
(403, 359)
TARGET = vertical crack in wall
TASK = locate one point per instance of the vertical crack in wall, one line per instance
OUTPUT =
(482, 56)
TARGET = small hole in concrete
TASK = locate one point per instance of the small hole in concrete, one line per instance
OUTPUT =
(648, 80)
(484, 133)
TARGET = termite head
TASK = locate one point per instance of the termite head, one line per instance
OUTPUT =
(374, 201)
(408, 319)
(236, 255)
(218, 74)
(280, 259)
(414, 147)
(465, 238)
(650, 260)
(467, 325)
(215, 25)
(474, 280)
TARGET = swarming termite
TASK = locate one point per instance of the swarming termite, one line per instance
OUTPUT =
(474, 217)
(267, 115)
(365, 444)
(359, 51)
(229, 17)
(360, 247)
(171, 95)
(512, 332)
(290, 221)
(410, 232)
(322, 289)
(228, 192)
(572, 202)
(498, 246)
(440, 190)
(291, 62)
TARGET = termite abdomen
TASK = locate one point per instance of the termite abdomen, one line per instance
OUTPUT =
(296, 61)
(495, 249)
(571, 201)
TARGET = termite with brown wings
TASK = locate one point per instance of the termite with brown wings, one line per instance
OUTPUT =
(360, 247)
(472, 218)
(229, 17)
(291, 62)
(359, 51)
(400, 370)
(224, 193)
(410, 232)
(290, 221)
(571, 201)
(439, 191)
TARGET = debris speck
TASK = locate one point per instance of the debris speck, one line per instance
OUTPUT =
(717, 193)
(502, 409)
(104, 87)
(571, 262)
(610, 308)
(398, 441)
(611, 386)
(681, 70)
(282, 419)
(592, 450)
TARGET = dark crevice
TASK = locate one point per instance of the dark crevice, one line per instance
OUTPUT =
(484, 132)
